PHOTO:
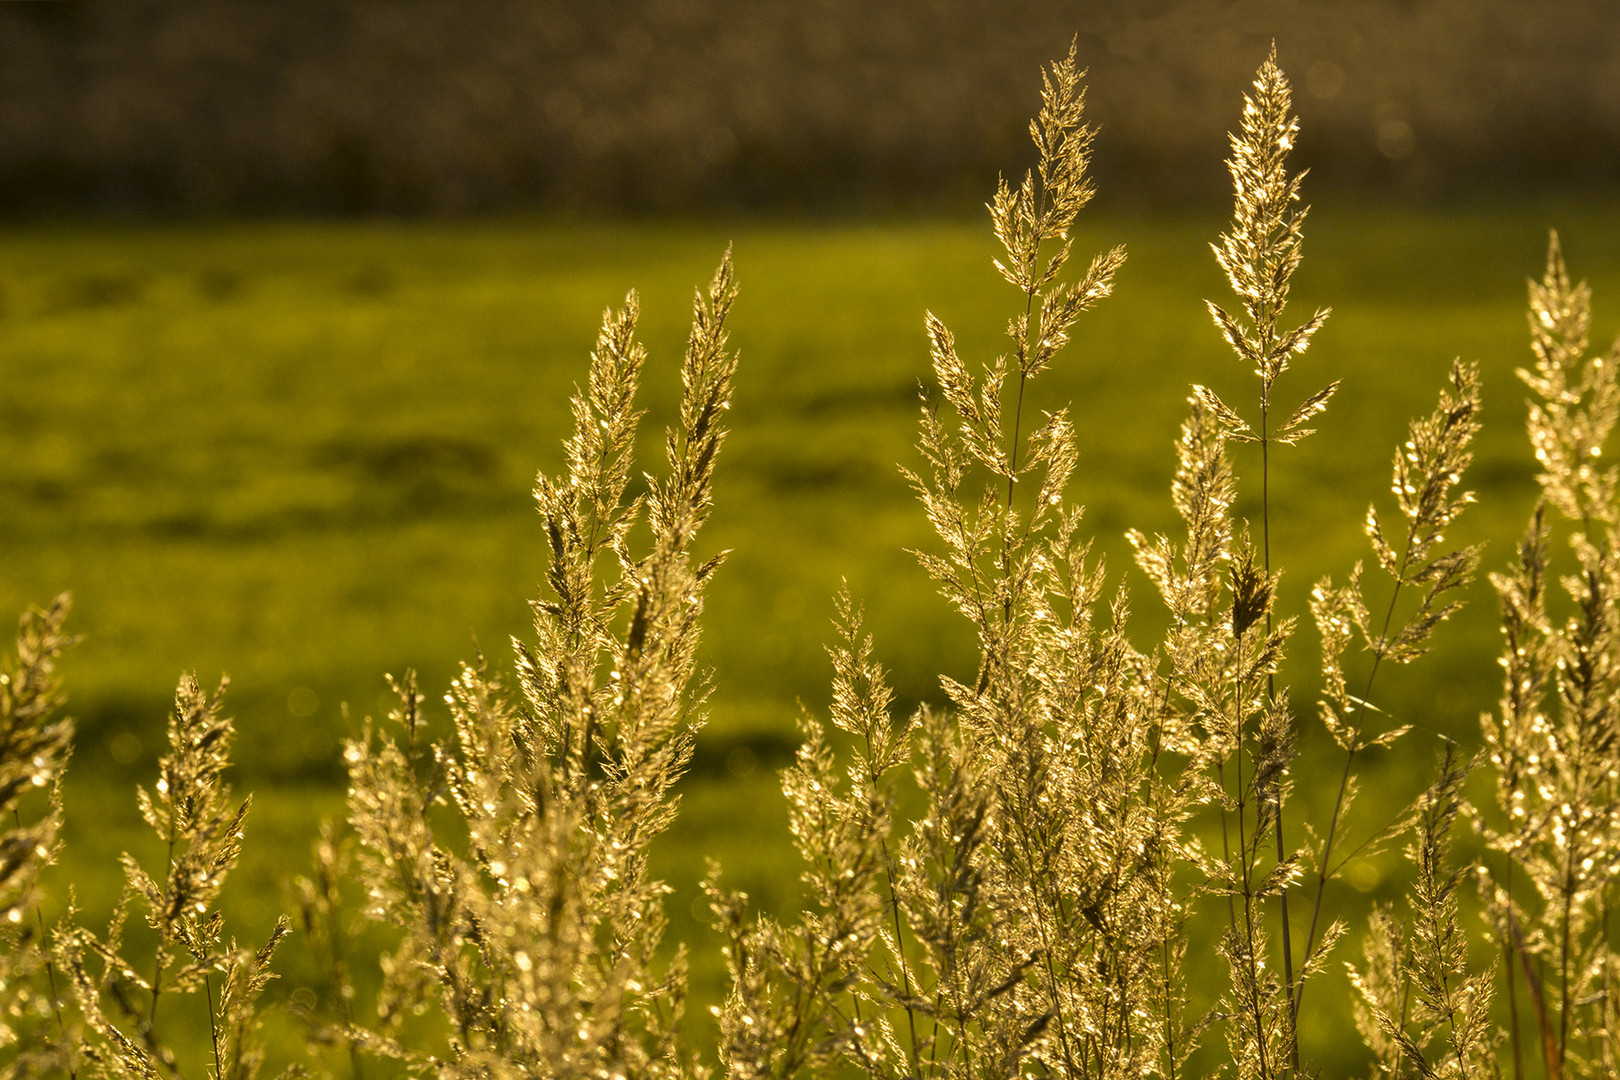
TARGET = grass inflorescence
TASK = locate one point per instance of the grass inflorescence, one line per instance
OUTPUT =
(1083, 860)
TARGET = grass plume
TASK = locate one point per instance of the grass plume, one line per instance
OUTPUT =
(537, 939)
(1035, 875)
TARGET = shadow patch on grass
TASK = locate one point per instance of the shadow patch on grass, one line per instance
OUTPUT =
(827, 476)
(843, 400)
(85, 292)
(723, 757)
(218, 284)
(411, 456)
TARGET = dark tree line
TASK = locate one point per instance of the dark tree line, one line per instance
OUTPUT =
(406, 106)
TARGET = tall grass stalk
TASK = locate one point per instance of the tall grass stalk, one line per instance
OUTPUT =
(1019, 881)
(1259, 257)
(118, 986)
(1554, 738)
(537, 937)
(35, 743)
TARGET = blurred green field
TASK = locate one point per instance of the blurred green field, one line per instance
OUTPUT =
(300, 453)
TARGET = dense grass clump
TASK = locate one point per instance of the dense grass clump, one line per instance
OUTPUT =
(1093, 856)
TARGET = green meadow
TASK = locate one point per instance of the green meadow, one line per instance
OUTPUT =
(300, 453)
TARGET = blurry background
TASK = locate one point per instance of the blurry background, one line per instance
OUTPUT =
(347, 106)
(293, 293)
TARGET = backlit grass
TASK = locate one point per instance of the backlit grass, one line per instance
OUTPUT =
(301, 453)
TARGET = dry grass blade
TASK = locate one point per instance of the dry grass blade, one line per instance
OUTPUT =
(540, 936)
(1555, 735)
(1022, 882)
(35, 742)
(191, 811)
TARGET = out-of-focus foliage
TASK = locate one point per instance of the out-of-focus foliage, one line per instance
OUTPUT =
(416, 105)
